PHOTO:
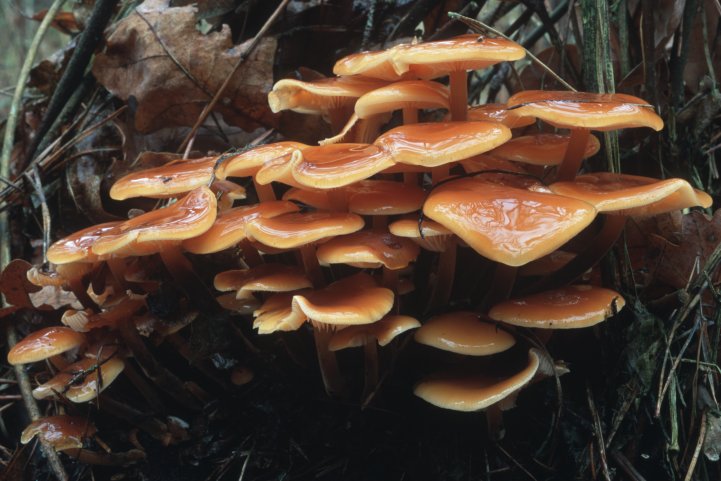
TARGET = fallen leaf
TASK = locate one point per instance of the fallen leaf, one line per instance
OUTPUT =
(14, 284)
(158, 57)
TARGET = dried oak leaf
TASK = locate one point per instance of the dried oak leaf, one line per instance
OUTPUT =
(14, 284)
(157, 56)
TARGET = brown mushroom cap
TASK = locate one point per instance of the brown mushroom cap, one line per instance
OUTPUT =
(370, 64)
(435, 237)
(337, 165)
(45, 343)
(369, 249)
(384, 331)
(414, 94)
(60, 432)
(354, 300)
(507, 224)
(79, 382)
(541, 149)
(566, 308)
(473, 393)
(176, 177)
(277, 314)
(229, 227)
(485, 162)
(316, 198)
(464, 333)
(263, 278)
(630, 194)
(319, 96)
(566, 109)
(434, 144)
(383, 197)
(498, 113)
(77, 247)
(148, 233)
(247, 163)
(289, 231)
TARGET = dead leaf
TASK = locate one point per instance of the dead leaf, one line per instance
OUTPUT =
(158, 57)
(14, 284)
(63, 21)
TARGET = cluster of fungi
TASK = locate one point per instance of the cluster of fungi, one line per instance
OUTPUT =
(375, 202)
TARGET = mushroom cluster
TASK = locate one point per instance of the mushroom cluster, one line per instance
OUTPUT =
(328, 237)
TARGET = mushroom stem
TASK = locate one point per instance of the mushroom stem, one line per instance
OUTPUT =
(494, 422)
(390, 279)
(445, 273)
(338, 118)
(504, 277)
(458, 83)
(264, 192)
(327, 361)
(575, 152)
(311, 266)
(117, 268)
(370, 352)
(251, 256)
(182, 272)
(367, 129)
(338, 200)
(380, 222)
(80, 289)
(610, 232)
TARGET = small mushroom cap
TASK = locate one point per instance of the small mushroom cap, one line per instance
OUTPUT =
(60, 432)
(569, 307)
(45, 343)
(354, 300)
(628, 194)
(290, 231)
(486, 162)
(369, 249)
(473, 393)
(277, 314)
(541, 149)
(241, 376)
(498, 113)
(439, 143)
(337, 165)
(413, 94)
(507, 224)
(229, 227)
(77, 247)
(681, 199)
(263, 278)
(147, 233)
(247, 164)
(79, 382)
(176, 177)
(566, 109)
(384, 197)
(547, 264)
(316, 198)
(384, 331)
(319, 96)
(375, 64)
(464, 333)
(245, 305)
(435, 237)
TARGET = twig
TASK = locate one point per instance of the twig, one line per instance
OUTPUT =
(34, 178)
(243, 57)
(626, 466)
(697, 451)
(480, 27)
(598, 432)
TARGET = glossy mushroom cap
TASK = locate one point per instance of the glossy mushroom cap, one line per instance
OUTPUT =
(82, 381)
(430, 235)
(383, 331)
(413, 94)
(77, 247)
(430, 59)
(369, 249)
(229, 227)
(354, 300)
(289, 231)
(473, 393)
(566, 109)
(570, 307)
(434, 144)
(464, 333)
(631, 194)
(277, 314)
(337, 165)
(498, 113)
(246, 164)
(148, 233)
(383, 197)
(60, 432)
(486, 162)
(263, 278)
(319, 96)
(541, 149)
(509, 225)
(45, 343)
(176, 177)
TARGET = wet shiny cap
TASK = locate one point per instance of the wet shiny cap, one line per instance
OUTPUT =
(369, 249)
(44, 344)
(434, 144)
(566, 109)
(506, 224)
(337, 165)
(383, 331)
(476, 392)
(247, 164)
(263, 278)
(410, 94)
(570, 307)
(176, 177)
(464, 333)
(541, 149)
(77, 247)
(319, 96)
(289, 231)
(60, 432)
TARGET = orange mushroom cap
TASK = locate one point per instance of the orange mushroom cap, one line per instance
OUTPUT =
(319, 96)
(498, 113)
(45, 343)
(383, 331)
(369, 249)
(247, 163)
(77, 247)
(464, 333)
(289, 231)
(541, 149)
(176, 177)
(414, 94)
(60, 432)
(263, 278)
(337, 165)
